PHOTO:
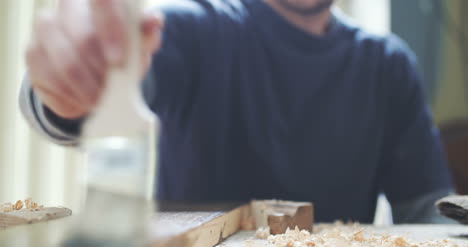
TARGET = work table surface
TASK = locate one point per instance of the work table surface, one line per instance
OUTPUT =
(177, 218)
(456, 233)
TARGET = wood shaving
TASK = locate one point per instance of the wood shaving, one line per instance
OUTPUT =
(340, 235)
(18, 205)
(262, 233)
(28, 201)
(28, 204)
(7, 207)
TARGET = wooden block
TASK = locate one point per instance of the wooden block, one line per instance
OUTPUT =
(24, 216)
(280, 215)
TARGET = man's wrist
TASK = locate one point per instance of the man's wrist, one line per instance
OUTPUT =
(71, 126)
(54, 125)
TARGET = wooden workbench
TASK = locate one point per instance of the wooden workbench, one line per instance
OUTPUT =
(456, 233)
(197, 225)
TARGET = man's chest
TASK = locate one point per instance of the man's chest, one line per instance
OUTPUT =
(303, 110)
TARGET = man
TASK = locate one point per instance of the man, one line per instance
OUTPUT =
(257, 99)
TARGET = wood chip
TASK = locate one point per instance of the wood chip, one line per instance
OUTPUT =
(262, 233)
(27, 202)
(7, 209)
(18, 205)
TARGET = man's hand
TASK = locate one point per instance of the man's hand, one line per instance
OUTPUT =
(73, 47)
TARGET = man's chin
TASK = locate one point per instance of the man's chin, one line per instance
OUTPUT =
(316, 9)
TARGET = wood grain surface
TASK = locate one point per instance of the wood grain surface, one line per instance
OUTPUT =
(197, 229)
(174, 225)
(24, 216)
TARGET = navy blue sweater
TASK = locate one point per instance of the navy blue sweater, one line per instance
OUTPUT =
(253, 107)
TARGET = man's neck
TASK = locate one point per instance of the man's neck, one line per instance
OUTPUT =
(316, 24)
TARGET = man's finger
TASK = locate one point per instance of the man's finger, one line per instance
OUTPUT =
(43, 79)
(65, 63)
(77, 25)
(109, 20)
(151, 28)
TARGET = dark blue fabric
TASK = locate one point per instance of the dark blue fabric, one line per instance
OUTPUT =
(253, 107)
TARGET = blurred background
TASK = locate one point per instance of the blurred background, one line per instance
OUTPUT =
(437, 30)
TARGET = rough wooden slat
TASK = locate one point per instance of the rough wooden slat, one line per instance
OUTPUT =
(191, 224)
(24, 216)
(204, 229)
(197, 229)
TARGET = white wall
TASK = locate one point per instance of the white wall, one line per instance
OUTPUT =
(372, 15)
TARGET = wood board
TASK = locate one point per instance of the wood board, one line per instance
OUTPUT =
(25, 216)
(175, 224)
(192, 227)
(197, 229)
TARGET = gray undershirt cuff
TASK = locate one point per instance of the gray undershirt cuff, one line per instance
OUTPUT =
(58, 130)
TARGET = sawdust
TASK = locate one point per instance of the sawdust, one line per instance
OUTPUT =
(341, 235)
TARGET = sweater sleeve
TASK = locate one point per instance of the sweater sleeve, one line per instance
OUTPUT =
(58, 130)
(414, 163)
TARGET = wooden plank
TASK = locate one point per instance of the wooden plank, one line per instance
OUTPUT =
(203, 229)
(173, 225)
(197, 229)
(24, 216)
(198, 225)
